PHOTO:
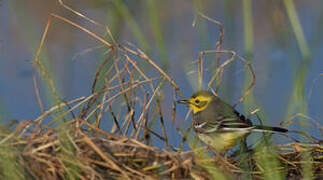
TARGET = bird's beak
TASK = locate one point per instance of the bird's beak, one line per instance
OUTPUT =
(183, 101)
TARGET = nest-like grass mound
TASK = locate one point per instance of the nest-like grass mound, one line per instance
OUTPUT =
(95, 154)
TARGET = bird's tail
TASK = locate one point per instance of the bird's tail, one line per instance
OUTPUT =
(269, 129)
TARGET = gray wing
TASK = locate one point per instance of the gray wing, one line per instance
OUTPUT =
(220, 117)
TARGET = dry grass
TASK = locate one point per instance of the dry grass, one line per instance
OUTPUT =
(76, 153)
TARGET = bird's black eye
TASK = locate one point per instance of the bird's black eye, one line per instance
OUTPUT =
(197, 101)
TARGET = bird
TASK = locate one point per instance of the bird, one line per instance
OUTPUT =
(218, 124)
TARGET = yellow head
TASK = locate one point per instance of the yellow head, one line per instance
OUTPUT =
(198, 101)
